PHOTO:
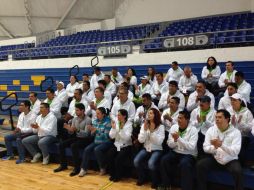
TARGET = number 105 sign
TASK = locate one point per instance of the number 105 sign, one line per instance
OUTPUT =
(186, 41)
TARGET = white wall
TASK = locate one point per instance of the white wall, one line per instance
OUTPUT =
(132, 12)
(18, 41)
(194, 56)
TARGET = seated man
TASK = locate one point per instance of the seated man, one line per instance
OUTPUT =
(223, 143)
(46, 128)
(23, 129)
(79, 140)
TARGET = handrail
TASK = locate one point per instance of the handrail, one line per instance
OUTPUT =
(46, 80)
(94, 65)
(71, 69)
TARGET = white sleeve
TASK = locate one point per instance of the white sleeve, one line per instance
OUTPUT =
(207, 146)
(163, 101)
(171, 143)
(126, 132)
(191, 143)
(142, 135)
(221, 80)
(235, 147)
(157, 137)
(191, 104)
(112, 133)
(204, 73)
(132, 111)
(217, 72)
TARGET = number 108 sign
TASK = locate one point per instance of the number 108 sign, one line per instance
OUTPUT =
(186, 41)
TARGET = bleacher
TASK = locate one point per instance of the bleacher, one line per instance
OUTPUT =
(220, 28)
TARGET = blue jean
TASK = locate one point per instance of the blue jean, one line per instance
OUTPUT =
(153, 161)
(8, 139)
(34, 144)
(99, 151)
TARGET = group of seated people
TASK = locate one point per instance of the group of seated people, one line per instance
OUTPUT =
(165, 125)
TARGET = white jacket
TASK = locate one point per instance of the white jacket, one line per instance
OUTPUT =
(141, 109)
(174, 74)
(47, 125)
(152, 140)
(118, 80)
(71, 88)
(163, 103)
(128, 106)
(231, 144)
(224, 76)
(94, 80)
(215, 72)
(71, 109)
(144, 90)
(25, 121)
(174, 117)
(104, 103)
(35, 108)
(88, 96)
(187, 84)
(204, 126)
(62, 96)
(156, 88)
(111, 87)
(225, 103)
(55, 107)
(186, 144)
(192, 104)
(122, 136)
(245, 123)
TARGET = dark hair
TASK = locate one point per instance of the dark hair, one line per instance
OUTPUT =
(239, 74)
(79, 91)
(233, 85)
(51, 90)
(34, 93)
(153, 72)
(225, 113)
(175, 63)
(104, 111)
(103, 82)
(85, 74)
(107, 76)
(177, 100)
(202, 82)
(214, 65)
(97, 69)
(147, 96)
(157, 117)
(185, 113)
(173, 82)
(80, 106)
(87, 82)
(76, 78)
(159, 73)
(115, 69)
(100, 89)
(27, 103)
(126, 85)
(124, 112)
(46, 105)
(133, 71)
(231, 62)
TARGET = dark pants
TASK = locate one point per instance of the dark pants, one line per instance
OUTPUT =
(212, 87)
(207, 164)
(62, 133)
(171, 162)
(244, 147)
(117, 160)
(201, 139)
(75, 144)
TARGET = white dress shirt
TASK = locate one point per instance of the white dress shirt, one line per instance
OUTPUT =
(174, 74)
(25, 121)
(163, 103)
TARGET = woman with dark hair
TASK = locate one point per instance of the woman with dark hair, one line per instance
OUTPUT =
(152, 134)
(100, 129)
(71, 87)
(241, 119)
(211, 74)
(132, 74)
(117, 156)
(151, 75)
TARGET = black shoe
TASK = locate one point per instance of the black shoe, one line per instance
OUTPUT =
(74, 172)
(116, 179)
(111, 178)
(60, 168)
(140, 183)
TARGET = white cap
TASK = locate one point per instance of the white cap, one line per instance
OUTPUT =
(144, 77)
(238, 96)
(60, 82)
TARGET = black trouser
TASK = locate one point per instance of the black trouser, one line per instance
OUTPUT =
(76, 144)
(201, 139)
(244, 147)
(117, 159)
(62, 133)
(209, 163)
(169, 165)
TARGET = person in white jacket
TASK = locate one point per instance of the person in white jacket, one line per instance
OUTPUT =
(98, 75)
(121, 132)
(193, 101)
(46, 129)
(110, 86)
(182, 139)
(73, 85)
(35, 103)
(88, 93)
(203, 117)
(225, 101)
(116, 77)
(169, 116)
(223, 144)
(152, 134)
(211, 74)
(174, 73)
(241, 119)
(172, 92)
(141, 89)
(54, 103)
(22, 130)
(61, 94)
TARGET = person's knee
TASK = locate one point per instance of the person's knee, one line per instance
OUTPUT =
(42, 143)
(136, 162)
(186, 164)
(152, 164)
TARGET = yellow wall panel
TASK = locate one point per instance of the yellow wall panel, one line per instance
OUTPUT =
(3, 87)
(16, 82)
(24, 87)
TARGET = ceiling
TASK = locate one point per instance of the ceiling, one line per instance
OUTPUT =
(21, 18)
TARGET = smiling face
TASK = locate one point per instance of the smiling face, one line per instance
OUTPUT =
(150, 115)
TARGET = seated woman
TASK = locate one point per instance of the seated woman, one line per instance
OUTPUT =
(121, 131)
(152, 134)
(100, 128)
(241, 118)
